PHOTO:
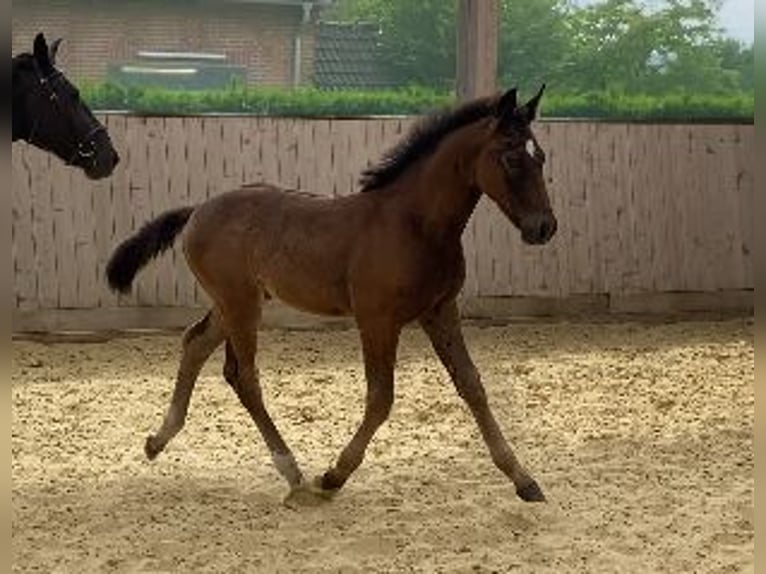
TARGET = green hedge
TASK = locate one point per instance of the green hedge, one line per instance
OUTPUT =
(317, 103)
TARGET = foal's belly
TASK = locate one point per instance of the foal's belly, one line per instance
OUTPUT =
(310, 295)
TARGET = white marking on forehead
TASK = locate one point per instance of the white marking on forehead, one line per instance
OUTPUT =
(531, 147)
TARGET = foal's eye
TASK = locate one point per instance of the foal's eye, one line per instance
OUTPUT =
(535, 152)
(511, 161)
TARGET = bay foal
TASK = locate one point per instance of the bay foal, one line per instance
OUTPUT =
(387, 256)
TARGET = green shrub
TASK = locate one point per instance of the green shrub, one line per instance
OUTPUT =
(317, 103)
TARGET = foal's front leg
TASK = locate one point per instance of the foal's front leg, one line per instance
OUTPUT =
(442, 325)
(379, 342)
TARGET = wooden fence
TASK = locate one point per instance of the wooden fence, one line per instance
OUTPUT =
(644, 210)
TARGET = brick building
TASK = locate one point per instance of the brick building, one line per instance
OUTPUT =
(273, 39)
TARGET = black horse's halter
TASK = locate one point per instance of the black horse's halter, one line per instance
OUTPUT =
(84, 150)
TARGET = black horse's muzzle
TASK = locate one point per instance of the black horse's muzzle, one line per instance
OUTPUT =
(96, 155)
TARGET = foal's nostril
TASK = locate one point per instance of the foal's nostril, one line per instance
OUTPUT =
(547, 229)
(543, 232)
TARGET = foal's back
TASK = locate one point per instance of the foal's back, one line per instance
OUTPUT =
(295, 245)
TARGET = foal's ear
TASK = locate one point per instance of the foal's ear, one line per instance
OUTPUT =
(41, 52)
(53, 51)
(529, 110)
(507, 103)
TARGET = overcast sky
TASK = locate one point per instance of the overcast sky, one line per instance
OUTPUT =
(737, 18)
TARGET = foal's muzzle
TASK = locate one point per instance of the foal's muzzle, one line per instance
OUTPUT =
(539, 228)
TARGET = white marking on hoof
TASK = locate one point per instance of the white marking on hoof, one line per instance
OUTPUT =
(288, 468)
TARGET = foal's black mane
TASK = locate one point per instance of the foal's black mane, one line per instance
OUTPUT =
(422, 140)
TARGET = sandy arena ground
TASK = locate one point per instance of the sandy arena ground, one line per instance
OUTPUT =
(640, 436)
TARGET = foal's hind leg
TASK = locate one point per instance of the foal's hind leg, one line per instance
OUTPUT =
(199, 341)
(442, 326)
(379, 344)
(230, 365)
(240, 370)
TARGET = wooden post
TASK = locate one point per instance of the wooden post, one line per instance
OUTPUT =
(477, 48)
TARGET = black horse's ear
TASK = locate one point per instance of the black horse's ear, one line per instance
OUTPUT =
(53, 50)
(529, 110)
(507, 103)
(41, 52)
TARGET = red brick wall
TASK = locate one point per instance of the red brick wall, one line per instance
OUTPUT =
(96, 32)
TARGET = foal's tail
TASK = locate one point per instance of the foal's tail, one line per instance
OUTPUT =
(150, 241)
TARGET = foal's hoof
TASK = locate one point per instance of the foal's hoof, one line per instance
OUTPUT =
(531, 493)
(307, 494)
(152, 447)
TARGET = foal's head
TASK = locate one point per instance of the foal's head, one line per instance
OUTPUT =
(509, 169)
(49, 114)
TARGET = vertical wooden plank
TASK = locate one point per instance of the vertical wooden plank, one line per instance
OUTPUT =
(678, 238)
(336, 155)
(43, 229)
(674, 237)
(251, 136)
(324, 161)
(288, 154)
(88, 282)
(571, 239)
(619, 181)
(724, 193)
(214, 154)
(60, 188)
(579, 196)
(639, 220)
(745, 199)
(140, 136)
(232, 157)
(22, 233)
(690, 213)
(158, 186)
(177, 149)
(553, 253)
(268, 150)
(119, 224)
(197, 184)
(358, 154)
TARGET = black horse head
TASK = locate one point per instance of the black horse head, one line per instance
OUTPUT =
(49, 114)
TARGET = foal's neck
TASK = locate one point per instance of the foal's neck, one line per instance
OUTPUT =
(445, 192)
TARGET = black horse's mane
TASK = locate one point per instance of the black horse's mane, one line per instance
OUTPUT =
(422, 140)
(22, 61)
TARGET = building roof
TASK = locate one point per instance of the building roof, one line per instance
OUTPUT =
(347, 55)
